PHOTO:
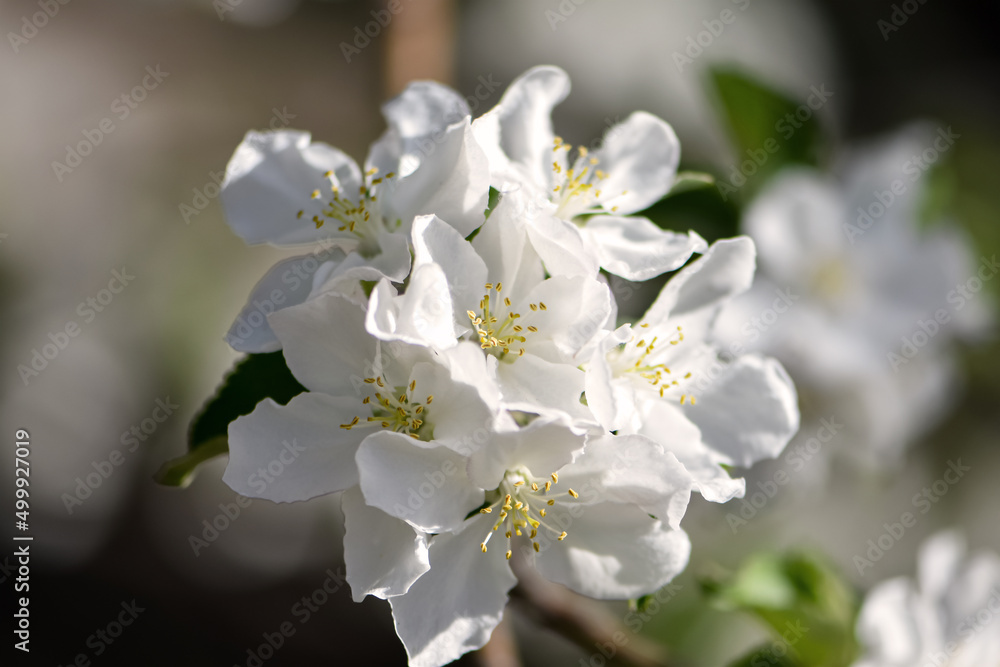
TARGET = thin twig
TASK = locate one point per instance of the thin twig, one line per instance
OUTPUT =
(585, 622)
(501, 650)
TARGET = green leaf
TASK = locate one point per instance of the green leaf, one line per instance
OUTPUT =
(769, 130)
(799, 596)
(253, 378)
(691, 180)
(180, 471)
(769, 654)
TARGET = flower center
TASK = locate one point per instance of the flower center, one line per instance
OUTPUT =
(362, 219)
(497, 325)
(523, 501)
(577, 187)
(634, 359)
(397, 410)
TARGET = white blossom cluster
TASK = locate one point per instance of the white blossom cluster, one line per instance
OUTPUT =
(470, 393)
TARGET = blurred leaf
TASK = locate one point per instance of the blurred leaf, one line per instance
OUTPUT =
(180, 471)
(254, 378)
(769, 130)
(690, 180)
(766, 654)
(802, 599)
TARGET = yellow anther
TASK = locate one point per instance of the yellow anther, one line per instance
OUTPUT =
(486, 510)
(300, 214)
(506, 301)
(315, 194)
(534, 486)
(429, 399)
(413, 385)
(541, 513)
(509, 554)
(483, 547)
(537, 548)
(548, 485)
(533, 329)
(519, 483)
(562, 536)
(533, 306)
(555, 478)
(550, 502)
(541, 304)
(573, 493)
(488, 287)
(499, 286)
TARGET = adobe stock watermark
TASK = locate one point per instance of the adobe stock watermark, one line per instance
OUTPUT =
(901, 13)
(302, 611)
(122, 107)
(220, 523)
(697, 44)
(259, 480)
(381, 18)
(561, 14)
(88, 310)
(913, 168)
(31, 25)
(785, 127)
(781, 647)
(923, 501)
(104, 637)
(634, 621)
(796, 458)
(204, 195)
(130, 439)
(970, 627)
(926, 330)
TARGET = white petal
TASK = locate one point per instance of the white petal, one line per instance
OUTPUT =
(286, 453)
(666, 424)
(535, 385)
(561, 246)
(749, 412)
(693, 297)
(614, 552)
(574, 314)
(640, 156)
(452, 181)
(612, 400)
(469, 366)
(422, 484)
(288, 283)
(383, 555)
(326, 345)
(453, 609)
(502, 243)
(631, 469)
(271, 177)
(543, 447)
(437, 242)
(458, 414)
(422, 315)
(423, 108)
(524, 120)
(636, 249)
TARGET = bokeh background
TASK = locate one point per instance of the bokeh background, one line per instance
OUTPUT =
(143, 203)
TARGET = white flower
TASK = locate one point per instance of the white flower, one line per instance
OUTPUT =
(665, 378)
(839, 290)
(283, 189)
(949, 618)
(358, 387)
(581, 514)
(493, 291)
(585, 197)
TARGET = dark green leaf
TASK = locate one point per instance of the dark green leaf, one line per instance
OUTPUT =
(769, 130)
(254, 378)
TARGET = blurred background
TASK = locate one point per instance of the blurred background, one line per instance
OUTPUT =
(119, 278)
